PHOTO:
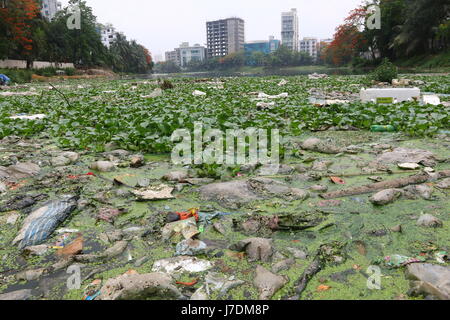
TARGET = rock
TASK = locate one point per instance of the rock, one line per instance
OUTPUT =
(10, 218)
(190, 247)
(423, 191)
(321, 165)
(268, 283)
(200, 294)
(181, 264)
(317, 145)
(176, 176)
(20, 171)
(283, 265)
(297, 253)
(234, 194)
(137, 161)
(140, 287)
(403, 155)
(30, 275)
(72, 156)
(222, 284)
(60, 161)
(444, 184)
(427, 220)
(385, 196)
(409, 166)
(257, 249)
(397, 229)
(120, 153)
(39, 250)
(3, 188)
(219, 228)
(430, 279)
(319, 188)
(24, 294)
(117, 249)
(103, 166)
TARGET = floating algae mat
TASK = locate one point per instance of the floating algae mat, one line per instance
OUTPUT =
(287, 230)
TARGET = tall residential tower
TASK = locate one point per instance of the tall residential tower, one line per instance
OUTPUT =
(289, 30)
(225, 36)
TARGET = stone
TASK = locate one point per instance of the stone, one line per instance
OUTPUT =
(283, 265)
(30, 275)
(430, 221)
(444, 184)
(176, 176)
(60, 161)
(20, 171)
(317, 145)
(319, 188)
(409, 166)
(404, 155)
(24, 294)
(268, 283)
(72, 156)
(385, 196)
(103, 166)
(430, 279)
(137, 161)
(297, 253)
(140, 287)
(257, 249)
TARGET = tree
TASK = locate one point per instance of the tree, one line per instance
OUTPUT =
(17, 17)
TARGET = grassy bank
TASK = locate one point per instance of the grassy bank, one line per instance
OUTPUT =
(429, 63)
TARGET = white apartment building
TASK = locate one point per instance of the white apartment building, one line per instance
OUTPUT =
(188, 53)
(108, 34)
(310, 46)
(290, 30)
(50, 8)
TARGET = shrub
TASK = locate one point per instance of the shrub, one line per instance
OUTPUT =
(385, 72)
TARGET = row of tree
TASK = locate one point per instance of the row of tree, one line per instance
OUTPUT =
(282, 57)
(25, 34)
(408, 28)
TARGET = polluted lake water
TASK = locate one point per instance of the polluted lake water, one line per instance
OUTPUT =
(92, 207)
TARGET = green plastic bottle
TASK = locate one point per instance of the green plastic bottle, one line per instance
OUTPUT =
(379, 128)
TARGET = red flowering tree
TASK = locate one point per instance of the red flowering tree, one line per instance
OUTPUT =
(348, 40)
(17, 17)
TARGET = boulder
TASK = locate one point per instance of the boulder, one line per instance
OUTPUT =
(268, 283)
(385, 196)
(140, 287)
(257, 249)
(430, 279)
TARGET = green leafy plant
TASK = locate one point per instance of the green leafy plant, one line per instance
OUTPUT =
(385, 72)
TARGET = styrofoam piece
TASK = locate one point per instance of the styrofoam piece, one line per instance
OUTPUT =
(397, 94)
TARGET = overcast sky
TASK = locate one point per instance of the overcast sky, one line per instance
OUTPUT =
(161, 25)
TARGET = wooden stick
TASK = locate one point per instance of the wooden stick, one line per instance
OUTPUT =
(391, 184)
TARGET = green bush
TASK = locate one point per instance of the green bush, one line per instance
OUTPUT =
(385, 72)
(18, 75)
(46, 72)
(69, 71)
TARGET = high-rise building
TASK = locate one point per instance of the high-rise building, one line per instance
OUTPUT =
(289, 30)
(188, 53)
(174, 56)
(50, 8)
(310, 46)
(264, 46)
(225, 36)
(185, 53)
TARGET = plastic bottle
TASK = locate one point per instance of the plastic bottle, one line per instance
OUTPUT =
(379, 128)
